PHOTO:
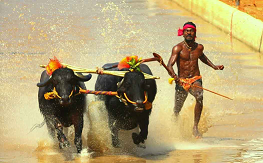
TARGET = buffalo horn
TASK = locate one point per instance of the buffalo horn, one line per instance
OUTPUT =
(120, 83)
(83, 78)
(44, 83)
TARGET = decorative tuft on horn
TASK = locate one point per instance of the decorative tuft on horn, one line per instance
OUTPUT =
(53, 65)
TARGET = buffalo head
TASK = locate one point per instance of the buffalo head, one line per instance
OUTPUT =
(65, 83)
(133, 89)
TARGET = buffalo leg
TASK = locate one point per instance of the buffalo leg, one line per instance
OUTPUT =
(143, 124)
(63, 142)
(78, 132)
(53, 125)
(114, 133)
(50, 127)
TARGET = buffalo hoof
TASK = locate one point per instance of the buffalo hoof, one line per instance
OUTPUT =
(116, 144)
(137, 139)
(64, 144)
(141, 145)
(79, 151)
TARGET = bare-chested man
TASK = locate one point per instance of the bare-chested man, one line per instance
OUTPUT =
(186, 55)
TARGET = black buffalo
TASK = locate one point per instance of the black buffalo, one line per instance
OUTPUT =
(69, 106)
(128, 112)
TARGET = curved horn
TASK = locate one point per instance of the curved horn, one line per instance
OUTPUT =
(44, 83)
(120, 83)
(83, 78)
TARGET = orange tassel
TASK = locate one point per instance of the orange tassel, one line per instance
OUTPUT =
(53, 65)
(123, 63)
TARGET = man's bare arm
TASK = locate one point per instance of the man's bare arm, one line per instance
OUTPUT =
(205, 60)
(175, 52)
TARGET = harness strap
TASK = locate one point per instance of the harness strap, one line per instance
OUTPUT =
(130, 101)
(56, 93)
(122, 100)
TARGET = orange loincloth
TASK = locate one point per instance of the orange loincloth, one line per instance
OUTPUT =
(187, 82)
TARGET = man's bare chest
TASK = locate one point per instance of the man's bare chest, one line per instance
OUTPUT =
(189, 55)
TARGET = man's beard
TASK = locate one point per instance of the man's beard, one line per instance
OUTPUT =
(189, 38)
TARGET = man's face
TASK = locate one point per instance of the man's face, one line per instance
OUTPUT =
(189, 34)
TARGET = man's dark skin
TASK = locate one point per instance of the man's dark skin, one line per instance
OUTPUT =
(186, 55)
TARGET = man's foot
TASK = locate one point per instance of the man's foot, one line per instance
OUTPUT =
(196, 133)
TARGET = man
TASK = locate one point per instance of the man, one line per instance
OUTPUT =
(186, 55)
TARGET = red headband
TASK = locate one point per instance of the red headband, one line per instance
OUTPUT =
(181, 31)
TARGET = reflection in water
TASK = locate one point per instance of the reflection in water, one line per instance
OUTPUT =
(91, 33)
(252, 150)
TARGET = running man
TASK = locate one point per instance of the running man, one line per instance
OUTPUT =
(186, 55)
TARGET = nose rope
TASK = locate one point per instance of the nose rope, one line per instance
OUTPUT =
(54, 94)
(130, 101)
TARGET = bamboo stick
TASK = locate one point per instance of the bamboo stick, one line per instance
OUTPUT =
(115, 73)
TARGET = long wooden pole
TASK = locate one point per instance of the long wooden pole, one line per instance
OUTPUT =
(160, 60)
(212, 91)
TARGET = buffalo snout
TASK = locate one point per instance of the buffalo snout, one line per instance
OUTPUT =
(139, 103)
(139, 106)
(65, 100)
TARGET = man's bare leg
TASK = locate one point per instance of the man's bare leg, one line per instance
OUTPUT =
(198, 111)
(180, 97)
(198, 94)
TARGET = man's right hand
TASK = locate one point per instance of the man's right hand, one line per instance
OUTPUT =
(176, 79)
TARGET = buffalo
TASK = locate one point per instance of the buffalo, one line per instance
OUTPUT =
(67, 106)
(132, 106)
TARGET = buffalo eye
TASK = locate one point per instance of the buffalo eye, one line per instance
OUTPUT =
(121, 89)
(73, 81)
(127, 84)
(55, 82)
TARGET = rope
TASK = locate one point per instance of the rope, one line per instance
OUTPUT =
(54, 94)
(110, 93)
(130, 101)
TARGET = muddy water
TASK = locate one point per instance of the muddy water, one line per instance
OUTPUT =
(91, 33)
